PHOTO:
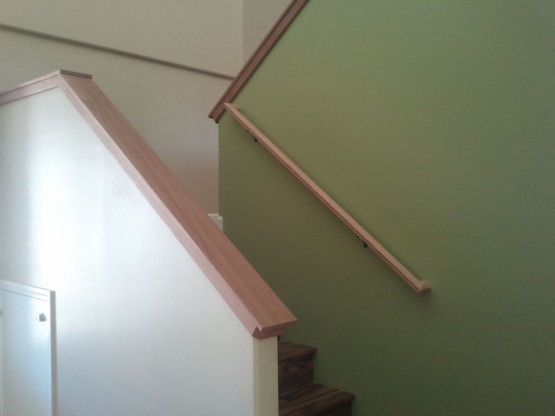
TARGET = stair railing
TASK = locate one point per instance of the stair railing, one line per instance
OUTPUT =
(250, 298)
(367, 239)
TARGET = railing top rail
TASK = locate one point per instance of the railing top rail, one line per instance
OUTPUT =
(248, 295)
(328, 201)
(36, 86)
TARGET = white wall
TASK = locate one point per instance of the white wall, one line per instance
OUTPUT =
(140, 330)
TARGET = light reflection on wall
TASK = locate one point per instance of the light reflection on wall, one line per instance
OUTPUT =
(63, 214)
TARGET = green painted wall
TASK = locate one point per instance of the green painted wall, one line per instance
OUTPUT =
(433, 123)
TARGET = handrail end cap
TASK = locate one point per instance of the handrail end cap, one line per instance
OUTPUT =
(424, 287)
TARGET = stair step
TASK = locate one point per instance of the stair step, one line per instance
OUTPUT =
(315, 399)
(296, 366)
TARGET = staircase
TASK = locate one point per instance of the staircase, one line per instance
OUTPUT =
(298, 394)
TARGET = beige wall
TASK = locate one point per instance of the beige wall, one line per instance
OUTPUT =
(168, 105)
(201, 33)
(258, 18)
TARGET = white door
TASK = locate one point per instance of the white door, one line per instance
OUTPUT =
(26, 342)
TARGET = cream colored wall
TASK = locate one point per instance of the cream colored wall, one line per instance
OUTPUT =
(168, 106)
(258, 18)
(202, 33)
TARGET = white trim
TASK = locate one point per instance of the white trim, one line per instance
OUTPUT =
(25, 290)
(218, 219)
(265, 356)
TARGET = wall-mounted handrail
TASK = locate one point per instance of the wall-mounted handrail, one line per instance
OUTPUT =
(380, 250)
(247, 294)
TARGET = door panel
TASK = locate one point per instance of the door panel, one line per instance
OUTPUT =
(27, 323)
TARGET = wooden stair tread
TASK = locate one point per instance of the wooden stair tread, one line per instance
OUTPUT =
(315, 399)
(296, 366)
(298, 394)
(289, 350)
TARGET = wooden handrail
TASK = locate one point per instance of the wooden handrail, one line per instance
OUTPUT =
(381, 251)
(247, 294)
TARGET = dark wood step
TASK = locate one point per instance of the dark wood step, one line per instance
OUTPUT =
(315, 399)
(296, 366)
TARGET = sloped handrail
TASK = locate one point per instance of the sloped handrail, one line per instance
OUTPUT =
(328, 201)
(248, 295)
